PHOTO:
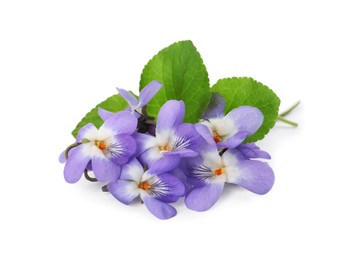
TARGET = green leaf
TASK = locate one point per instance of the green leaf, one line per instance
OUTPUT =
(181, 70)
(114, 103)
(247, 91)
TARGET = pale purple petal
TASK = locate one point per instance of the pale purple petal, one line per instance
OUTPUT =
(132, 171)
(233, 141)
(129, 97)
(174, 188)
(104, 114)
(105, 170)
(251, 150)
(246, 118)
(262, 154)
(158, 208)
(216, 106)
(144, 142)
(254, 176)
(124, 191)
(62, 158)
(84, 130)
(204, 131)
(150, 156)
(121, 123)
(170, 116)
(203, 198)
(149, 92)
(76, 164)
(121, 149)
(164, 165)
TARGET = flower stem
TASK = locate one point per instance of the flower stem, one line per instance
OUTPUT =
(67, 150)
(290, 109)
(88, 177)
(280, 118)
(222, 151)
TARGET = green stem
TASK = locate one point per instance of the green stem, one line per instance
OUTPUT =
(67, 150)
(88, 177)
(290, 109)
(280, 118)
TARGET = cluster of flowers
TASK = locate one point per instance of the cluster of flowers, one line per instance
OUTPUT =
(165, 160)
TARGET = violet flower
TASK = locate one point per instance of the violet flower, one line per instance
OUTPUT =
(172, 137)
(231, 130)
(156, 187)
(135, 105)
(212, 169)
(103, 149)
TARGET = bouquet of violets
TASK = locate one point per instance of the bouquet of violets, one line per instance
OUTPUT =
(178, 138)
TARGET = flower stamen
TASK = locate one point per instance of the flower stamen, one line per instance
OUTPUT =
(101, 145)
(144, 185)
(219, 171)
(216, 137)
(165, 148)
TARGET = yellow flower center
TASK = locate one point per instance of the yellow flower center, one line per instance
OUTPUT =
(165, 148)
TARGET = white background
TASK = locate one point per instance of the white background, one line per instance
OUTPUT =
(58, 59)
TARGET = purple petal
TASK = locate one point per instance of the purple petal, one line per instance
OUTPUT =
(262, 154)
(89, 166)
(76, 164)
(144, 142)
(179, 173)
(207, 143)
(164, 165)
(121, 123)
(132, 171)
(188, 165)
(104, 114)
(170, 116)
(136, 114)
(233, 141)
(251, 150)
(216, 106)
(121, 149)
(124, 191)
(254, 176)
(129, 97)
(182, 153)
(84, 130)
(148, 92)
(246, 118)
(185, 137)
(62, 158)
(174, 188)
(203, 198)
(158, 208)
(104, 169)
(204, 131)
